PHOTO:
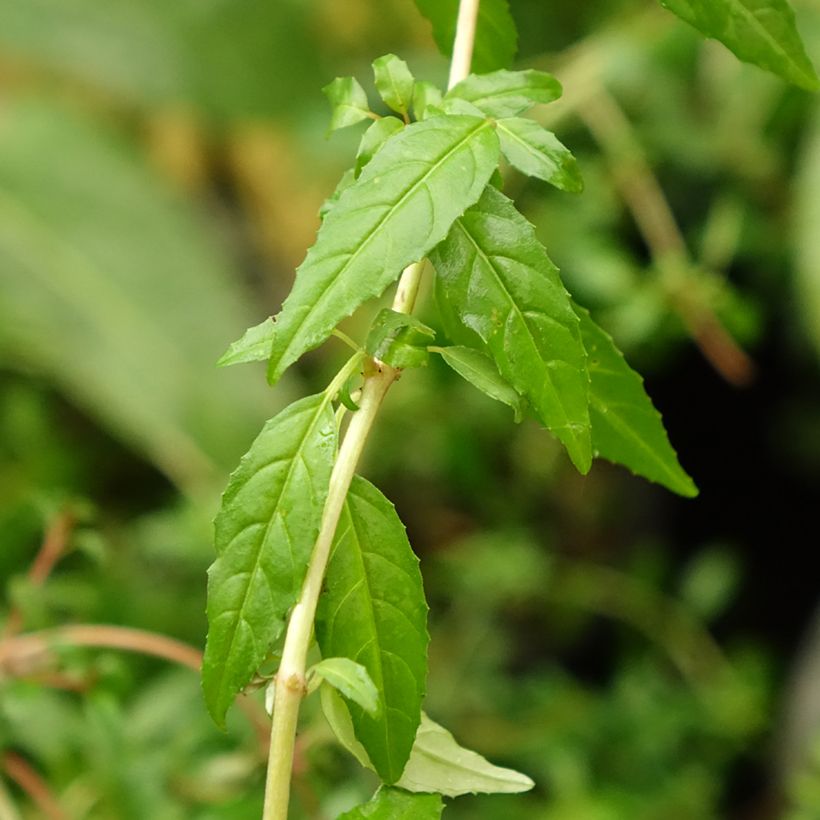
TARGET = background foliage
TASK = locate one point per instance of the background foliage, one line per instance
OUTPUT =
(639, 655)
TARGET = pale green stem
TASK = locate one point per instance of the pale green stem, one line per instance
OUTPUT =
(290, 679)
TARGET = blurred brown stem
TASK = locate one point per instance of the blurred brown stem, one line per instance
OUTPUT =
(21, 773)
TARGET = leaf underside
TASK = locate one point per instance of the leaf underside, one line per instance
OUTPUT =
(395, 804)
(264, 533)
(373, 611)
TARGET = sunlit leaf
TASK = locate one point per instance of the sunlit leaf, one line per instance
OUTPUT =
(507, 93)
(350, 678)
(349, 102)
(254, 346)
(394, 82)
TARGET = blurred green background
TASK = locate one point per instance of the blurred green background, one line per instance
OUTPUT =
(640, 656)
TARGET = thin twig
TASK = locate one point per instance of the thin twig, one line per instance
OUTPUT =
(21, 772)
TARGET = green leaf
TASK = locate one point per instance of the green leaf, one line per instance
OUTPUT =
(374, 138)
(373, 611)
(400, 208)
(496, 40)
(395, 804)
(425, 95)
(507, 93)
(350, 678)
(254, 346)
(349, 102)
(438, 764)
(394, 82)
(807, 237)
(497, 278)
(479, 369)
(264, 533)
(399, 339)
(762, 32)
(538, 153)
(626, 427)
(347, 179)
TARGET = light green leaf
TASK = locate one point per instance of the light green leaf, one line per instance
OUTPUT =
(626, 427)
(497, 278)
(400, 208)
(394, 82)
(507, 93)
(349, 102)
(374, 138)
(399, 339)
(350, 678)
(254, 346)
(264, 532)
(395, 804)
(479, 369)
(762, 32)
(425, 95)
(373, 611)
(438, 764)
(538, 153)
(346, 180)
(496, 41)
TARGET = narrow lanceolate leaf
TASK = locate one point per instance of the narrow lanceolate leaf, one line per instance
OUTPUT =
(254, 346)
(374, 138)
(539, 153)
(438, 764)
(480, 370)
(400, 208)
(507, 93)
(394, 82)
(497, 278)
(265, 530)
(350, 678)
(349, 102)
(626, 427)
(496, 40)
(762, 32)
(373, 611)
(395, 804)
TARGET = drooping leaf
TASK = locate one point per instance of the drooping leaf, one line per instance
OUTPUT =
(539, 153)
(374, 138)
(394, 82)
(498, 280)
(496, 40)
(439, 764)
(399, 339)
(373, 611)
(762, 32)
(349, 102)
(264, 532)
(479, 369)
(396, 804)
(401, 207)
(425, 95)
(507, 93)
(254, 346)
(350, 678)
(626, 427)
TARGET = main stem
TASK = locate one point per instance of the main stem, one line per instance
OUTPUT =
(290, 679)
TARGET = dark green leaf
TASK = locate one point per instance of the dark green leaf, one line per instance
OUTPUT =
(373, 611)
(394, 82)
(762, 32)
(496, 41)
(399, 339)
(396, 804)
(479, 369)
(507, 93)
(538, 153)
(265, 530)
(349, 102)
(401, 207)
(425, 95)
(499, 281)
(807, 237)
(374, 138)
(438, 764)
(350, 678)
(626, 427)
(254, 346)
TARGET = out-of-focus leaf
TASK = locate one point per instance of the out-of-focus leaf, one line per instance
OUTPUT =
(373, 611)
(496, 41)
(507, 93)
(400, 208)
(807, 218)
(265, 530)
(116, 291)
(394, 82)
(762, 32)
(349, 102)
(396, 804)
(350, 678)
